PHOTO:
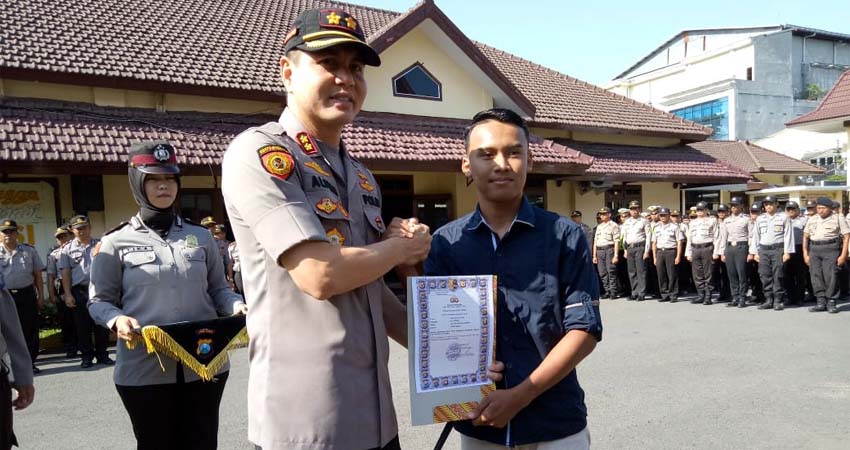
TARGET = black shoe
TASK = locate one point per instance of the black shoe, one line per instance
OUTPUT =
(766, 305)
(732, 304)
(742, 303)
(35, 370)
(86, 364)
(640, 298)
(674, 300)
(632, 298)
(106, 361)
(71, 354)
(779, 306)
(707, 301)
(662, 300)
(831, 307)
(820, 307)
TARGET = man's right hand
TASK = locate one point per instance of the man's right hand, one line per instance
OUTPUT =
(70, 301)
(124, 326)
(417, 246)
(26, 394)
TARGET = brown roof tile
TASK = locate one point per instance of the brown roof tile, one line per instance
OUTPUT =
(51, 131)
(754, 159)
(836, 104)
(231, 48)
(633, 163)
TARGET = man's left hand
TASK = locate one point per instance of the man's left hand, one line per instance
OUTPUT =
(498, 408)
(240, 308)
(494, 372)
(646, 255)
(785, 257)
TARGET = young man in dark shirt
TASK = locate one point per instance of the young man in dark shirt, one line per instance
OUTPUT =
(548, 294)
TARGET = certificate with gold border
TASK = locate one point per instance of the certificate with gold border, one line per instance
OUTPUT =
(452, 329)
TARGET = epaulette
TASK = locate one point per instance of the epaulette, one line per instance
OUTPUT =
(25, 244)
(192, 222)
(120, 226)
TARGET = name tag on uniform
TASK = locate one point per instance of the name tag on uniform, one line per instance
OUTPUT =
(139, 248)
(779, 228)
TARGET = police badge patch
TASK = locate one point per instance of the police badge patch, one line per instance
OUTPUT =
(277, 161)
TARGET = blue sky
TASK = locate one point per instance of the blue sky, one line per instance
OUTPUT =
(595, 41)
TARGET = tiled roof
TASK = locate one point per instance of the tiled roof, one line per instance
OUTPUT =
(836, 104)
(59, 132)
(231, 48)
(754, 159)
(565, 101)
(633, 163)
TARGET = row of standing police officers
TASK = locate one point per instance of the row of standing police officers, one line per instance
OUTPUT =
(793, 252)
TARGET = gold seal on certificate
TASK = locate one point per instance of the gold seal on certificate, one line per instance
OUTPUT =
(451, 344)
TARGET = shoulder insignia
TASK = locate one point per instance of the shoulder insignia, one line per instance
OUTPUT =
(96, 249)
(343, 210)
(367, 186)
(277, 161)
(120, 226)
(362, 175)
(317, 168)
(307, 143)
(327, 205)
(336, 237)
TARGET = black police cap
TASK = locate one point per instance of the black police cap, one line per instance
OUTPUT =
(664, 212)
(576, 214)
(78, 221)
(723, 208)
(318, 29)
(605, 210)
(755, 207)
(8, 224)
(736, 201)
(811, 204)
(769, 199)
(702, 205)
(634, 204)
(153, 157)
(792, 205)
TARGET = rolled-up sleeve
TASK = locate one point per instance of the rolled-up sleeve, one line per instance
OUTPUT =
(105, 285)
(581, 287)
(276, 209)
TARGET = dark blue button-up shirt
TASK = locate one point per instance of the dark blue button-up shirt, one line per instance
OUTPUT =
(547, 286)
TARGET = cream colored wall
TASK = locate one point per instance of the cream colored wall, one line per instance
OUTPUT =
(134, 99)
(773, 178)
(588, 203)
(462, 95)
(434, 182)
(559, 199)
(661, 194)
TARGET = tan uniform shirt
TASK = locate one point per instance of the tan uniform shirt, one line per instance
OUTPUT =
(702, 230)
(819, 229)
(319, 377)
(606, 234)
(637, 230)
(666, 235)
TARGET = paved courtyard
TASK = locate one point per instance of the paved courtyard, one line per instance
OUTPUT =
(666, 376)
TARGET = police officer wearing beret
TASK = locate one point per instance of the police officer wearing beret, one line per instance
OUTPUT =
(734, 243)
(825, 240)
(54, 288)
(771, 246)
(606, 246)
(22, 266)
(158, 269)
(75, 266)
(313, 250)
(637, 238)
(703, 233)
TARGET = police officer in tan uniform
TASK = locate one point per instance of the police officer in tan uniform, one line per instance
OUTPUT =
(667, 248)
(22, 266)
(606, 244)
(825, 240)
(703, 233)
(313, 250)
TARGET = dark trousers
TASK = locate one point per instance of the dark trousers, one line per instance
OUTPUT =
(607, 270)
(391, 445)
(637, 269)
(720, 279)
(736, 271)
(179, 416)
(771, 273)
(823, 264)
(85, 327)
(686, 278)
(67, 324)
(668, 276)
(701, 267)
(795, 278)
(27, 306)
(7, 435)
(755, 281)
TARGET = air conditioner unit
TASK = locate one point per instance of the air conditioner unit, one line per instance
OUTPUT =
(601, 185)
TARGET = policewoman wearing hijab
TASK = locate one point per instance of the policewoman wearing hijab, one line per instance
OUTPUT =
(158, 269)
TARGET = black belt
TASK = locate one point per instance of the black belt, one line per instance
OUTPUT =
(735, 244)
(826, 242)
(666, 249)
(604, 247)
(636, 244)
(80, 286)
(22, 290)
(709, 244)
(771, 246)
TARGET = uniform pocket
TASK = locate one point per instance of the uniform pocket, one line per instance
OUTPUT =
(373, 216)
(141, 268)
(327, 206)
(196, 262)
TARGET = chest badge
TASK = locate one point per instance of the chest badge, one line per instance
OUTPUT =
(307, 143)
(367, 186)
(336, 237)
(316, 167)
(191, 241)
(277, 161)
(327, 206)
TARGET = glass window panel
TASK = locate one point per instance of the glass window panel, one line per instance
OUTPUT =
(417, 82)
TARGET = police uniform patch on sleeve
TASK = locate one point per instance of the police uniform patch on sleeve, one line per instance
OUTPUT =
(96, 249)
(327, 205)
(307, 144)
(336, 237)
(277, 161)
(317, 168)
(191, 241)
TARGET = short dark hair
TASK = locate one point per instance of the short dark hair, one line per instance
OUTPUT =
(503, 115)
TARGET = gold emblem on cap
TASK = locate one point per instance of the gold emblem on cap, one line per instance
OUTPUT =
(334, 18)
(351, 23)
